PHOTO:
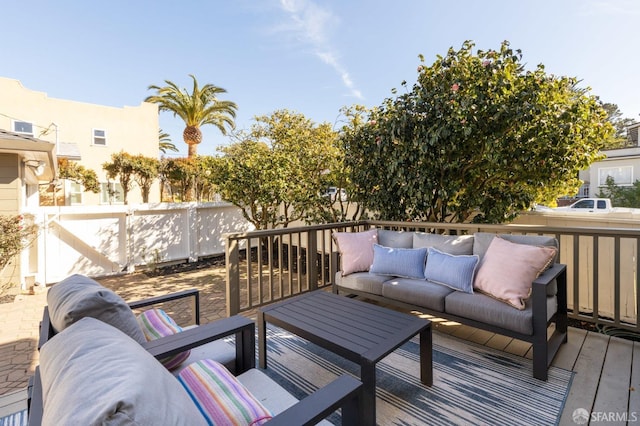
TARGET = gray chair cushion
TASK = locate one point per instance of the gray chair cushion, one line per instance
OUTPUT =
(79, 296)
(417, 292)
(485, 309)
(362, 281)
(452, 244)
(395, 239)
(94, 374)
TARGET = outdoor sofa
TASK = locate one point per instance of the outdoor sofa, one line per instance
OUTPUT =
(97, 366)
(507, 284)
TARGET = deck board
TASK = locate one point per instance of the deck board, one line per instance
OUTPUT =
(615, 379)
(634, 387)
(587, 370)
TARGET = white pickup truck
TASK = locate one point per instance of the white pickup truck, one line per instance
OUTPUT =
(588, 205)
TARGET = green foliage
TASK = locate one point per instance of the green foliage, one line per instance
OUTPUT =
(196, 109)
(16, 233)
(179, 173)
(620, 138)
(164, 142)
(476, 138)
(278, 170)
(122, 166)
(621, 196)
(145, 171)
(79, 174)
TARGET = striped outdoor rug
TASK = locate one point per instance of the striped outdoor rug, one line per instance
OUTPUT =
(473, 384)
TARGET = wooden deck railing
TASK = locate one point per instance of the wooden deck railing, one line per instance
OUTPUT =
(602, 264)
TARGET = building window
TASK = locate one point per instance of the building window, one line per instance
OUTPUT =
(622, 175)
(111, 193)
(23, 127)
(75, 193)
(99, 137)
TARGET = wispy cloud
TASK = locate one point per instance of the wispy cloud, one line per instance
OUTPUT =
(311, 24)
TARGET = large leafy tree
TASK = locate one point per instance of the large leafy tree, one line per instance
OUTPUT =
(196, 109)
(277, 171)
(477, 138)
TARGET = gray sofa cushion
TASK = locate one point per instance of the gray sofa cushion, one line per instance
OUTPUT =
(485, 309)
(94, 374)
(417, 292)
(483, 239)
(395, 239)
(79, 296)
(452, 244)
(362, 281)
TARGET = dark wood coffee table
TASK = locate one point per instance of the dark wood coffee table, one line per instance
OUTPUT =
(358, 331)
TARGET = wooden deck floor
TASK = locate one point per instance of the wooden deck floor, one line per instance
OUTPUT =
(607, 372)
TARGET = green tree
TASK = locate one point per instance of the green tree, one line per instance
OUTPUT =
(196, 109)
(165, 143)
(621, 196)
(476, 138)
(123, 168)
(277, 171)
(78, 174)
(620, 138)
(179, 175)
(145, 171)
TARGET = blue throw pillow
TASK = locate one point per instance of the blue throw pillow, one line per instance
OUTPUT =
(398, 262)
(456, 272)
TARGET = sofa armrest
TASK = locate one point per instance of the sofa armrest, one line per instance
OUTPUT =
(344, 392)
(549, 275)
(169, 297)
(242, 327)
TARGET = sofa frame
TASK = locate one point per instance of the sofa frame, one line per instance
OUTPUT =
(343, 393)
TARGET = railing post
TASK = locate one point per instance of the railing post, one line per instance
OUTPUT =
(312, 259)
(232, 258)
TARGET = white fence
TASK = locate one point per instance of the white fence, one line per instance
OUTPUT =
(109, 240)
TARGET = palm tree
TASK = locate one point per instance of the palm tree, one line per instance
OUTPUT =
(197, 108)
(165, 142)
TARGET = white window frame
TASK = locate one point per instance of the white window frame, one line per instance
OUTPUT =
(74, 189)
(15, 122)
(617, 173)
(96, 137)
(111, 193)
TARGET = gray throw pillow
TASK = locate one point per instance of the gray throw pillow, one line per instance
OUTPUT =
(93, 374)
(483, 240)
(451, 244)
(79, 296)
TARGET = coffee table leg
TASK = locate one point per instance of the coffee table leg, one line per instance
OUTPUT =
(262, 341)
(368, 378)
(426, 356)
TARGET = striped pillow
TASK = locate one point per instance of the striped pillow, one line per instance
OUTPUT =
(155, 323)
(221, 398)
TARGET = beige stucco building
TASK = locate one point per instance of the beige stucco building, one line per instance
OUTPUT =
(82, 132)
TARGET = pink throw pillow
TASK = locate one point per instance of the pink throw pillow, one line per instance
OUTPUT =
(508, 269)
(356, 250)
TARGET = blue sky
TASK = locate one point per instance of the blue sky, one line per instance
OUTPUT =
(313, 57)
